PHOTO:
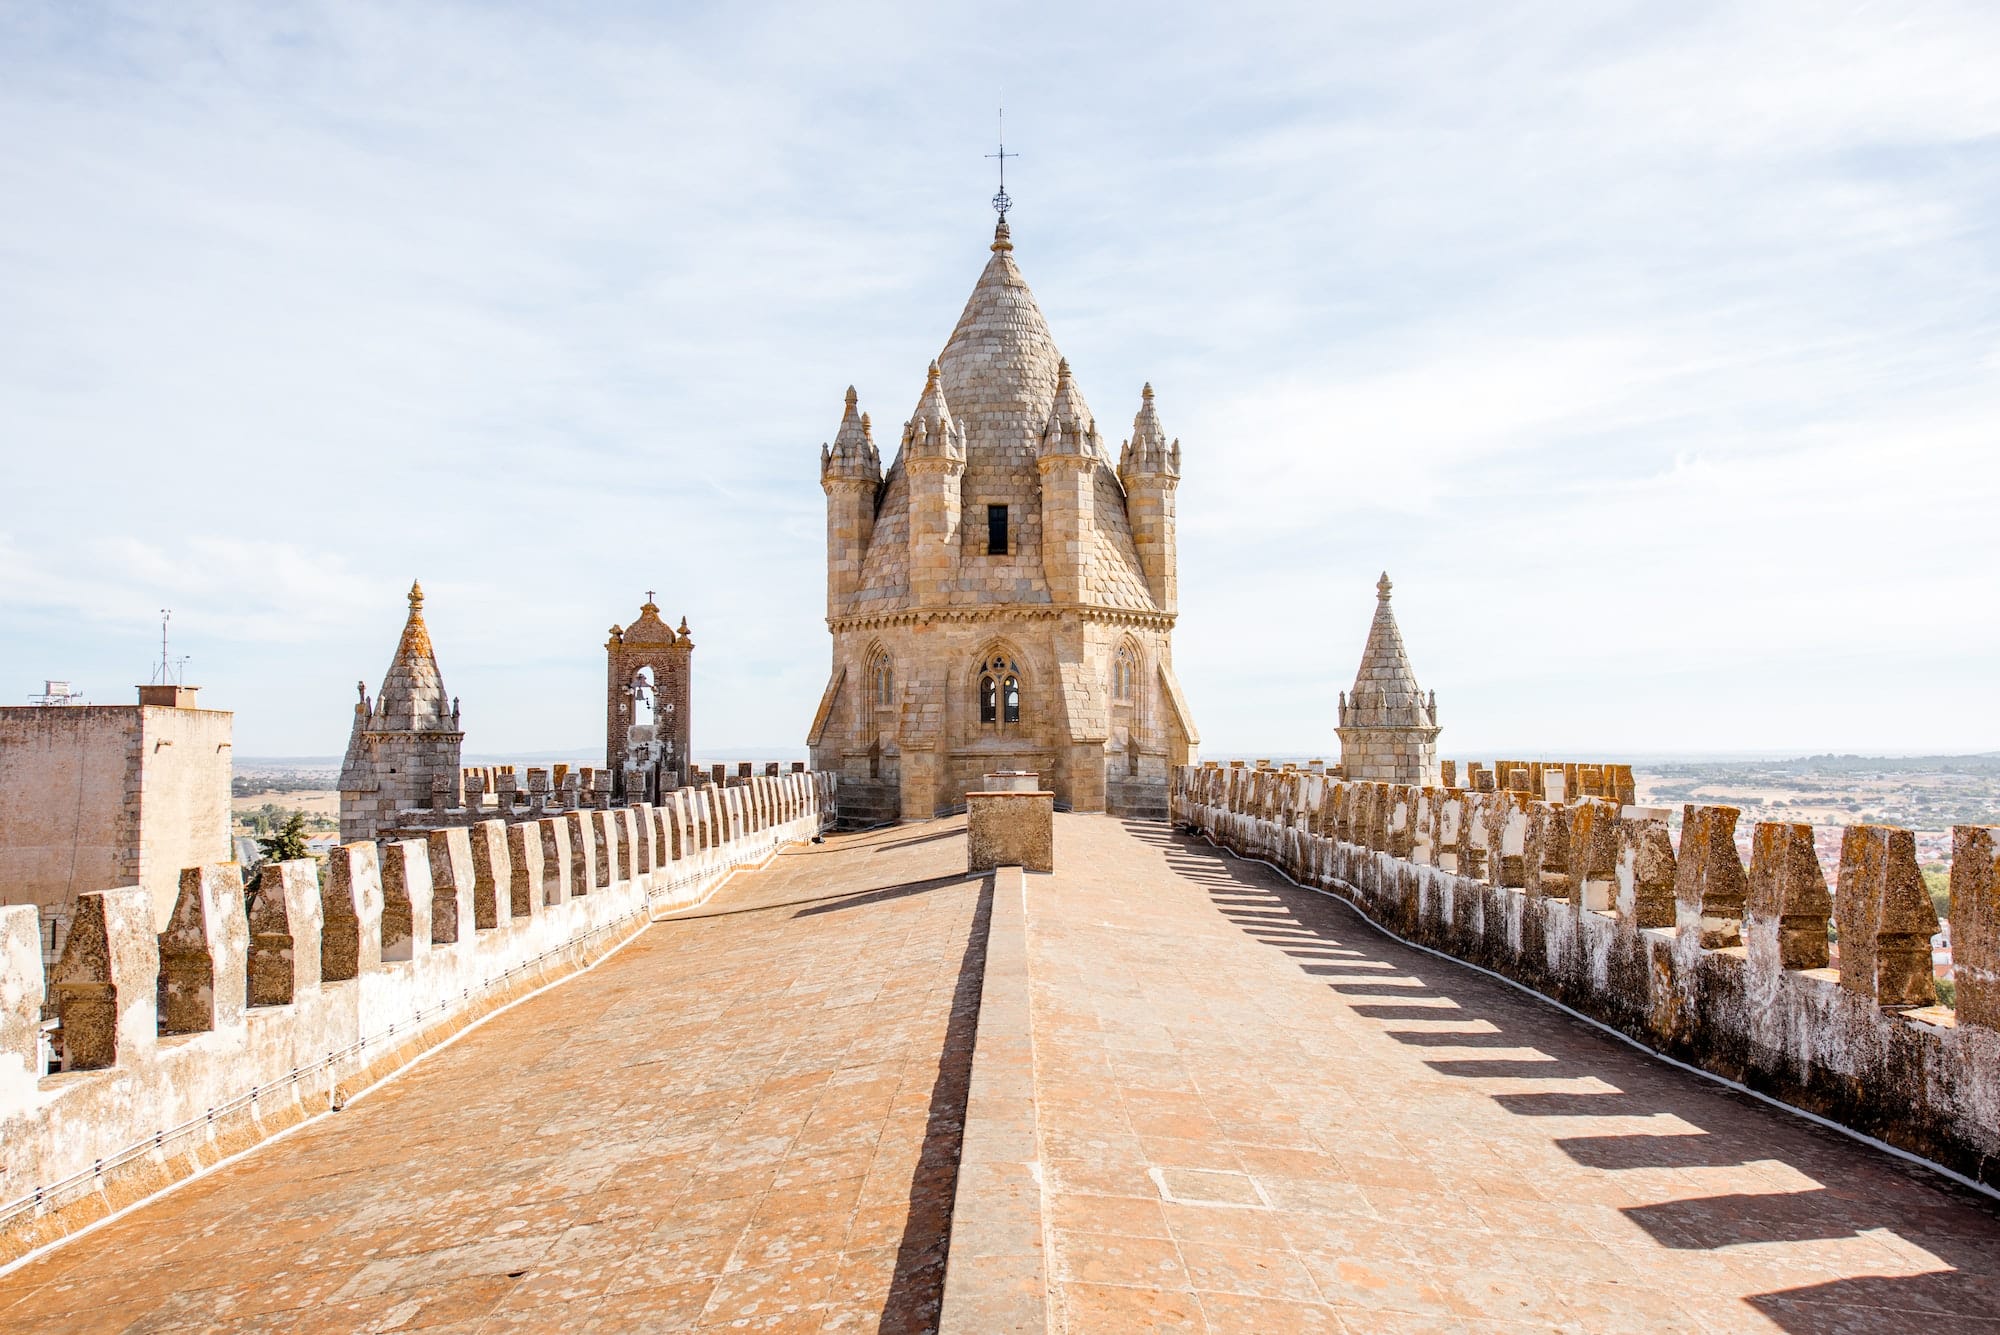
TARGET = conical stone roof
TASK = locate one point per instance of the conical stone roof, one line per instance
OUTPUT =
(412, 695)
(997, 379)
(1385, 691)
(1000, 362)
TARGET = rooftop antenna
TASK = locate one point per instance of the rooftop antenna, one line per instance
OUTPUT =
(171, 670)
(1001, 203)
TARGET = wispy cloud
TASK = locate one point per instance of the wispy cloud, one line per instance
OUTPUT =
(1654, 350)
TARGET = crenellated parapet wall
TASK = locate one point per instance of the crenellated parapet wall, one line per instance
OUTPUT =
(530, 792)
(252, 1012)
(1682, 947)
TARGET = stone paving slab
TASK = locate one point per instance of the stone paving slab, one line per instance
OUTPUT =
(1258, 1114)
(746, 1120)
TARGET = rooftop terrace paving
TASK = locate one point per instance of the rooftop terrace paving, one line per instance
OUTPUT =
(1237, 1106)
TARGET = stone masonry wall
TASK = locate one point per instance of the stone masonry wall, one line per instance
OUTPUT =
(248, 1014)
(1682, 948)
(98, 795)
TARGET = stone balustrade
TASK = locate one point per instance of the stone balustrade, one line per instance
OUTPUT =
(1590, 902)
(251, 1012)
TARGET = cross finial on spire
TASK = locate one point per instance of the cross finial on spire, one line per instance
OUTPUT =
(649, 595)
(1001, 203)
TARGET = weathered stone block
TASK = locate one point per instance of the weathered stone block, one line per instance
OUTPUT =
(1010, 830)
(1885, 917)
(204, 953)
(1593, 853)
(21, 988)
(626, 821)
(555, 860)
(1505, 817)
(451, 885)
(1545, 851)
(604, 845)
(351, 908)
(1786, 910)
(1709, 884)
(643, 833)
(492, 875)
(582, 828)
(1646, 872)
(1975, 923)
(107, 981)
(1399, 835)
(524, 861)
(285, 933)
(407, 897)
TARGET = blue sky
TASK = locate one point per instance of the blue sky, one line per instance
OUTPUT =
(1654, 350)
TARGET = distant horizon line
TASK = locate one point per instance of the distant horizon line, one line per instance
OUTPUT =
(587, 756)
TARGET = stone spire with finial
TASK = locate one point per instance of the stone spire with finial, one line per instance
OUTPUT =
(852, 454)
(931, 433)
(403, 754)
(1148, 451)
(1388, 725)
(413, 695)
(1071, 429)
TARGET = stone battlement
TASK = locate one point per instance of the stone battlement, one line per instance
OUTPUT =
(250, 1013)
(1554, 779)
(1590, 901)
(513, 793)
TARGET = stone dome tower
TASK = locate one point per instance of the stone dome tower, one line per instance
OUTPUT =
(1388, 726)
(1001, 596)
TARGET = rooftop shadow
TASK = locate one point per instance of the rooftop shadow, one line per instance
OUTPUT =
(888, 892)
(1959, 1227)
(916, 1294)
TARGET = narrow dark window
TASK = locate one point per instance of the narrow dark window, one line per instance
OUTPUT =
(989, 700)
(996, 530)
(1010, 693)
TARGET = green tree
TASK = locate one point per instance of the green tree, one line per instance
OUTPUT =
(288, 843)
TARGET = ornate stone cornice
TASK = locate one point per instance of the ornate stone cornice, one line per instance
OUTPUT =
(910, 616)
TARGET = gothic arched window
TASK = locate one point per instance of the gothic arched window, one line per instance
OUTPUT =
(1124, 673)
(882, 679)
(999, 690)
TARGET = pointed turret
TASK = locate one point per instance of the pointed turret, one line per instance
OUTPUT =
(412, 695)
(853, 453)
(404, 751)
(1067, 458)
(1150, 468)
(1148, 451)
(1388, 726)
(850, 472)
(933, 460)
(1070, 428)
(931, 433)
